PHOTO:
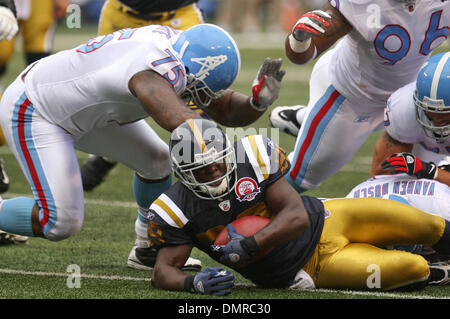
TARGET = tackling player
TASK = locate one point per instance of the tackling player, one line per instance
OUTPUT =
(417, 122)
(383, 45)
(308, 243)
(116, 15)
(95, 98)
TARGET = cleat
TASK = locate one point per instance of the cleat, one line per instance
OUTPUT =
(10, 239)
(439, 274)
(4, 179)
(94, 170)
(284, 118)
(145, 258)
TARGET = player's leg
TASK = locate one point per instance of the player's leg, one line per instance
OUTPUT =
(380, 223)
(46, 155)
(137, 146)
(290, 118)
(333, 130)
(362, 266)
(38, 30)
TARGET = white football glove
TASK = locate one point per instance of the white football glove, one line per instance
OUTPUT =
(8, 24)
(267, 84)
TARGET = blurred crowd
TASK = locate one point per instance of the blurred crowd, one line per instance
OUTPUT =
(243, 16)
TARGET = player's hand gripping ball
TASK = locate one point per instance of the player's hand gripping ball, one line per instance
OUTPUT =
(236, 241)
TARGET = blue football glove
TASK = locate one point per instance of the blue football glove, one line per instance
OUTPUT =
(213, 281)
(239, 249)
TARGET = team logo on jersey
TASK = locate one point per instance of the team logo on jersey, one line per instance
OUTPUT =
(327, 213)
(246, 189)
(208, 63)
(225, 205)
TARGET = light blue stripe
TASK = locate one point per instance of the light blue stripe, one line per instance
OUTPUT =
(35, 159)
(317, 133)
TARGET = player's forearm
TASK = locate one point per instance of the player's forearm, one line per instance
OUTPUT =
(384, 147)
(160, 100)
(233, 109)
(443, 176)
(168, 278)
(302, 52)
(288, 224)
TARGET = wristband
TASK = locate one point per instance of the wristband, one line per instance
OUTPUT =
(256, 106)
(299, 46)
(189, 283)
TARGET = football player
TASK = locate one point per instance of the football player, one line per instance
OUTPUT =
(383, 45)
(95, 98)
(307, 244)
(417, 122)
(116, 15)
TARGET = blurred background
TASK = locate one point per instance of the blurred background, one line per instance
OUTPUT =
(237, 16)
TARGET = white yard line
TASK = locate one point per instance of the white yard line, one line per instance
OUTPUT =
(125, 278)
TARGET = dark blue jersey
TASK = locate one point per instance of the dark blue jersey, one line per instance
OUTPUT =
(179, 217)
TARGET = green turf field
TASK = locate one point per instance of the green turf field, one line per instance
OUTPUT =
(39, 269)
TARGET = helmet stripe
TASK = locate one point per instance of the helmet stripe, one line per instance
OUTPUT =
(437, 76)
(197, 135)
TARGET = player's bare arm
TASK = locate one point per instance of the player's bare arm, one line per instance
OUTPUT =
(167, 273)
(291, 217)
(384, 147)
(443, 176)
(233, 109)
(160, 100)
(331, 26)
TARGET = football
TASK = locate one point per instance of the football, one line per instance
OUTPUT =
(247, 226)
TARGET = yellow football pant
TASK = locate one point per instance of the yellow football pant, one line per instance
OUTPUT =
(37, 31)
(349, 254)
(114, 18)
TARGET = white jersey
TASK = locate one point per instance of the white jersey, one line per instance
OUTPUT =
(387, 46)
(427, 195)
(401, 124)
(87, 87)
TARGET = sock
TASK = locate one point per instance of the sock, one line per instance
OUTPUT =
(145, 194)
(443, 245)
(15, 216)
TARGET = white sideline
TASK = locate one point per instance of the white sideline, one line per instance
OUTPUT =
(111, 278)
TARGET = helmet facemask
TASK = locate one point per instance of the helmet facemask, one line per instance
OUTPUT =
(188, 160)
(428, 105)
(197, 93)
